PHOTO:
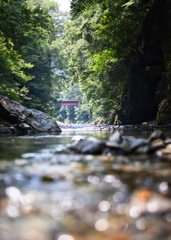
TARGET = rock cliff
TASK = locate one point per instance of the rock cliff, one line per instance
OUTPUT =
(148, 87)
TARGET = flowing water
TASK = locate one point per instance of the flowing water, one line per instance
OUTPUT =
(46, 194)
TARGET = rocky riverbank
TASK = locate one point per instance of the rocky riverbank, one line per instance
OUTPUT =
(151, 125)
(13, 129)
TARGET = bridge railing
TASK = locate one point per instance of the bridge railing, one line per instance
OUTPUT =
(69, 103)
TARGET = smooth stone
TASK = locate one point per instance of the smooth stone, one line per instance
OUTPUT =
(156, 134)
(88, 146)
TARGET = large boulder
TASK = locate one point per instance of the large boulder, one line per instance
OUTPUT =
(14, 113)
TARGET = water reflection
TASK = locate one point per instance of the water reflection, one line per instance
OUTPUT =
(46, 195)
(141, 224)
(163, 187)
(104, 206)
(64, 237)
(93, 179)
(13, 193)
(101, 224)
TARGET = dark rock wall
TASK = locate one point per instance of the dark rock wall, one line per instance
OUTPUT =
(147, 81)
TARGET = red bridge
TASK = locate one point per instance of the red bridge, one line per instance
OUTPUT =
(69, 103)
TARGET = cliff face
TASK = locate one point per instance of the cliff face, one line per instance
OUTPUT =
(148, 88)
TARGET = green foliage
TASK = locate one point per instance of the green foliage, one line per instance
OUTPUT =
(12, 66)
(101, 60)
(40, 63)
(100, 39)
(78, 7)
(17, 21)
(31, 33)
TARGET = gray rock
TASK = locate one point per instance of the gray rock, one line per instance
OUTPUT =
(117, 144)
(25, 126)
(14, 112)
(117, 141)
(137, 142)
(87, 146)
(156, 135)
(127, 144)
(156, 144)
(7, 129)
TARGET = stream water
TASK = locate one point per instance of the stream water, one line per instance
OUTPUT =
(49, 195)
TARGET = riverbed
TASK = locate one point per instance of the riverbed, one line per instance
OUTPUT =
(47, 194)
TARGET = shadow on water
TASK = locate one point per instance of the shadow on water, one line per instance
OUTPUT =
(46, 194)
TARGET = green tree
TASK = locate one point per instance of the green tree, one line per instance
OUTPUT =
(13, 66)
(31, 33)
(100, 40)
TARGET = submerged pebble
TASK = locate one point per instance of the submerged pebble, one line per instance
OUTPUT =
(147, 201)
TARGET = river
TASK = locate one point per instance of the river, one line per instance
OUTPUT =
(46, 194)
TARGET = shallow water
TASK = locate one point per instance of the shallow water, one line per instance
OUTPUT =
(49, 195)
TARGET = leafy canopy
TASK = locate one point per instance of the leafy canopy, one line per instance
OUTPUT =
(100, 39)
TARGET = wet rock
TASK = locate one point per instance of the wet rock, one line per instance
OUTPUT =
(157, 134)
(48, 178)
(137, 142)
(25, 126)
(88, 146)
(115, 140)
(156, 144)
(142, 150)
(7, 129)
(117, 144)
(15, 113)
(128, 144)
(165, 152)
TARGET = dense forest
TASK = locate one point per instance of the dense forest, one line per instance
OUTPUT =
(113, 56)
(31, 33)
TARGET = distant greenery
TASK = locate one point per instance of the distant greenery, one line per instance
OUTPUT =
(73, 114)
(47, 56)
(100, 40)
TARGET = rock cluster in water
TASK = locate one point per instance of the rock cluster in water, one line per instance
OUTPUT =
(119, 144)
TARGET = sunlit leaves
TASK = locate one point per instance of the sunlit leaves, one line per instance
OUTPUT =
(12, 68)
(130, 3)
(29, 50)
(103, 59)
(20, 26)
(108, 31)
